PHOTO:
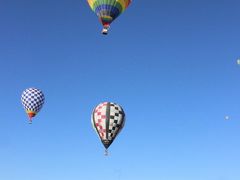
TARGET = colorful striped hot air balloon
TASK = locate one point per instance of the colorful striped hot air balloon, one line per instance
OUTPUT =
(108, 10)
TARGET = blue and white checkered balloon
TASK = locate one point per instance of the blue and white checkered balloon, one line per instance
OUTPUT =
(32, 100)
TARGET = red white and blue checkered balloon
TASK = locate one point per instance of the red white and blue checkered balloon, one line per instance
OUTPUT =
(108, 119)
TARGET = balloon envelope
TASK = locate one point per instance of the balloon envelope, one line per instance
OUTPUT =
(108, 119)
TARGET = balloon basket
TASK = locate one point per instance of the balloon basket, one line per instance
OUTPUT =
(105, 31)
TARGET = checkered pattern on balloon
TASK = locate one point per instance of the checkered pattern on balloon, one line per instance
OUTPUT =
(32, 100)
(108, 119)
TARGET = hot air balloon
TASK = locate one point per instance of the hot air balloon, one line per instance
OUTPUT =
(32, 100)
(227, 117)
(108, 10)
(108, 119)
(238, 61)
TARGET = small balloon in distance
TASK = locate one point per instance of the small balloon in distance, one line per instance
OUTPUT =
(227, 117)
(238, 61)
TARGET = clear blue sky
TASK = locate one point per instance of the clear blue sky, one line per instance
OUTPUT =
(170, 64)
